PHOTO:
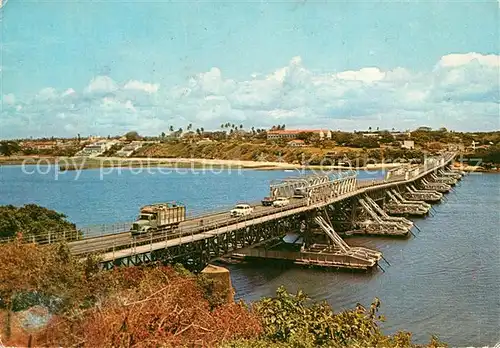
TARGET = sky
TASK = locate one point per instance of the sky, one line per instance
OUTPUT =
(107, 67)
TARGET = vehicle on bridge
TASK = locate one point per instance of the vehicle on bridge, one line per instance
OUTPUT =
(241, 210)
(267, 201)
(281, 202)
(159, 216)
(300, 192)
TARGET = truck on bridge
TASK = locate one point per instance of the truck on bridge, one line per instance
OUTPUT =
(159, 216)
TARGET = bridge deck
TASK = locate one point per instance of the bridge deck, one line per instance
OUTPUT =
(216, 224)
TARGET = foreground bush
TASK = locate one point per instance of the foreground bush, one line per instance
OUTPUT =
(161, 306)
(296, 321)
(151, 307)
(125, 307)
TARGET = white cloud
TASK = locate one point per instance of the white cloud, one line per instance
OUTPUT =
(456, 60)
(46, 94)
(101, 84)
(367, 75)
(461, 92)
(9, 99)
(68, 92)
(141, 86)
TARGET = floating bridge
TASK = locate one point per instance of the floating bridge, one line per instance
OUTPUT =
(333, 205)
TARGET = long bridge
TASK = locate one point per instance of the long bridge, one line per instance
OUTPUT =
(336, 205)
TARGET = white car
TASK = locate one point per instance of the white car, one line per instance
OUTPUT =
(241, 210)
(280, 202)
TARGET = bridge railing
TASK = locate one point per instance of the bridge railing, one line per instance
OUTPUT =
(183, 235)
(411, 173)
(97, 231)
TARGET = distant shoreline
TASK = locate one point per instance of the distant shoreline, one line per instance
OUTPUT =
(83, 163)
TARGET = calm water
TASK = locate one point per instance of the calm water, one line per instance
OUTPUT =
(446, 281)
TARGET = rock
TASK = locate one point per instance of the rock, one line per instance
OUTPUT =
(34, 318)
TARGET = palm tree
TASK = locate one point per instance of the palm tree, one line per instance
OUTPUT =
(171, 128)
(241, 126)
(189, 127)
(202, 130)
(369, 129)
(222, 125)
(8, 147)
(378, 129)
(233, 126)
(283, 127)
(253, 130)
(198, 131)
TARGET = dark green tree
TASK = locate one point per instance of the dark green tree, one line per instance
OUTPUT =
(8, 147)
(133, 135)
(36, 223)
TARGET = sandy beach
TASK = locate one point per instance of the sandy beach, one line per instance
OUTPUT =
(96, 162)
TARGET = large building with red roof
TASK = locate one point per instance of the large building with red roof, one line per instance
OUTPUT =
(292, 133)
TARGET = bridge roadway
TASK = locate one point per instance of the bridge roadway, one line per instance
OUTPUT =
(188, 227)
(122, 245)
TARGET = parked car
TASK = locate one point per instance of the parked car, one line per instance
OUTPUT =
(267, 201)
(241, 210)
(281, 202)
(300, 192)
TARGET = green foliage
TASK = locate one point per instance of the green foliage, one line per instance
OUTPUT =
(360, 141)
(342, 138)
(133, 135)
(306, 136)
(8, 148)
(56, 151)
(210, 288)
(485, 156)
(181, 270)
(287, 316)
(36, 224)
(294, 321)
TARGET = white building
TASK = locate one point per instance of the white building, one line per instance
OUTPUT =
(296, 143)
(408, 144)
(97, 148)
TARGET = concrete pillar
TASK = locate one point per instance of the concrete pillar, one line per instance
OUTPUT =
(220, 285)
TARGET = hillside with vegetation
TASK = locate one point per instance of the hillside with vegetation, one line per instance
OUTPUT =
(233, 142)
(327, 153)
(49, 299)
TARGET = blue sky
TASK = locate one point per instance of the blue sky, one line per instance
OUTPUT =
(208, 62)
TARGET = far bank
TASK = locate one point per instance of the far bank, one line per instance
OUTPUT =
(82, 163)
